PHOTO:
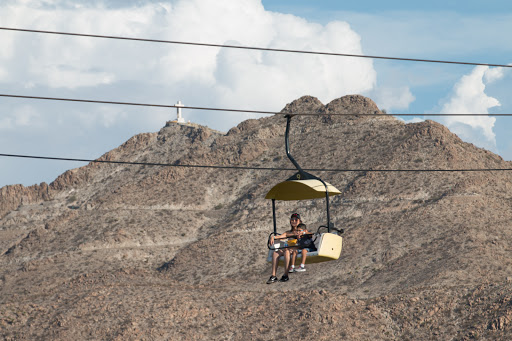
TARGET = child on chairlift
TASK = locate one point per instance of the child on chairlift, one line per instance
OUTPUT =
(303, 241)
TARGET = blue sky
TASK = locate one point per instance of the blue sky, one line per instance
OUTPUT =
(321, 8)
(54, 66)
(472, 31)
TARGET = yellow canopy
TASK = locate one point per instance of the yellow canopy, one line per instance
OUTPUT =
(300, 190)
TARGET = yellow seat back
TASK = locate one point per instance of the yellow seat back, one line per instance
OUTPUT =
(328, 248)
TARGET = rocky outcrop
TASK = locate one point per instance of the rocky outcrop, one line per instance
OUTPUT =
(13, 196)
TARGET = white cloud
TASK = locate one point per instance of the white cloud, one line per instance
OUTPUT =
(64, 76)
(411, 120)
(256, 79)
(24, 116)
(469, 97)
(119, 70)
(196, 75)
(104, 116)
(390, 98)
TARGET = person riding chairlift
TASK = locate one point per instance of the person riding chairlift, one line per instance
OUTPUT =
(304, 244)
(294, 222)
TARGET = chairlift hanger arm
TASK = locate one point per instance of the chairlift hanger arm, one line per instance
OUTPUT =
(287, 145)
(301, 174)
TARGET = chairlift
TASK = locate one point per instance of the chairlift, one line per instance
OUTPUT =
(305, 186)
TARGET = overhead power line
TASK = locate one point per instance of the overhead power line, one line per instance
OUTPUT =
(227, 109)
(251, 47)
(336, 170)
(139, 104)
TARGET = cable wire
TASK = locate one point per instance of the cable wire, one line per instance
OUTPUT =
(230, 110)
(252, 48)
(338, 170)
(139, 104)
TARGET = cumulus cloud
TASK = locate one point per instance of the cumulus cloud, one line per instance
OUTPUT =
(119, 70)
(411, 120)
(23, 116)
(469, 97)
(390, 98)
(225, 77)
(64, 76)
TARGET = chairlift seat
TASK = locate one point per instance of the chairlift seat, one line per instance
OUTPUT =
(328, 248)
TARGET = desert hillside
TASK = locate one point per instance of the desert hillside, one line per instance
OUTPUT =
(130, 252)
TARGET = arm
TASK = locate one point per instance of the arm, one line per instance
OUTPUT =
(281, 236)
(307, 234)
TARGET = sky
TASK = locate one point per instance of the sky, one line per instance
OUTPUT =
(34, 64)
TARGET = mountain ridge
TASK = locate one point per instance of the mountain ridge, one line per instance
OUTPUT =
(176, 251)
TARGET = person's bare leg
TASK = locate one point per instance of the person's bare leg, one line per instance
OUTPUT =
(275, 261)
(294, 257)
(286, 262)
(304, 255)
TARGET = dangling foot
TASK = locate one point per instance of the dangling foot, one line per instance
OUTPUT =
(272, 279)
(284, 278)
(302, 268)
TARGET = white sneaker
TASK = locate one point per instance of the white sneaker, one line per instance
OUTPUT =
(300, 269)
(292, 270)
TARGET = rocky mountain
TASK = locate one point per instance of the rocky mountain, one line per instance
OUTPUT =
(131, 252)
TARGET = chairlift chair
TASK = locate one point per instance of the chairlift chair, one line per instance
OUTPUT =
(305, 186)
